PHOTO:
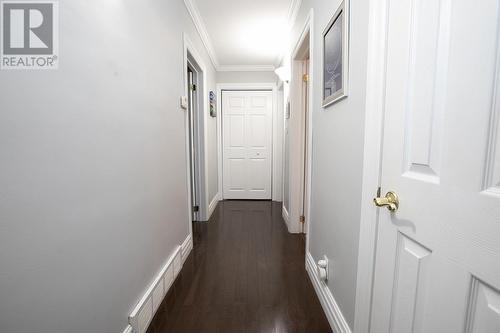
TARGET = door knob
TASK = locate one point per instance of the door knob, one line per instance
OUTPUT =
(391, 201)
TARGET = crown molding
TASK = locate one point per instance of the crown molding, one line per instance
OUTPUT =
(293, 12)
(246, 68)
(202, 31)
(207, 42)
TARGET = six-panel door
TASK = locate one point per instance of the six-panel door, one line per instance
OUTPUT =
(247, 144)
(438, 257)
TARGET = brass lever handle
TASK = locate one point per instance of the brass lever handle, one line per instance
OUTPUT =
(391, 201)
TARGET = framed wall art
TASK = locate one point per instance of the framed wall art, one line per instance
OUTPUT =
(336, 56)
(213, 105)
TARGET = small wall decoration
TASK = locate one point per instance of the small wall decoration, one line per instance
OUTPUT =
(335, 56)
(213, 105)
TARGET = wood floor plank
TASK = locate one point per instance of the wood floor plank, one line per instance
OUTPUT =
(245, 274)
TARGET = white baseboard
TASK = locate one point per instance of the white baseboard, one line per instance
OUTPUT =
(186, 248)
(330, 306)
(292, 228)
(128, 329)
(213, 205)
(286, 216)
(143, 313)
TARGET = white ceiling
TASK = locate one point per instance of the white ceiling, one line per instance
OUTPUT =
(244, 34)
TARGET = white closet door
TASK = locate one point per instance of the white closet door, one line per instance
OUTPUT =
(438, 257)
(247, 144)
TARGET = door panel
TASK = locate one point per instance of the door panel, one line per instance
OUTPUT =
(438, 257)
(247, 142)
(484, 308)
(236, 124)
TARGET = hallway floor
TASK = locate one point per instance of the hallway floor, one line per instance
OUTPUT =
(245, 274)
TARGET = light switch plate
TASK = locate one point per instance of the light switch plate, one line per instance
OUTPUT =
(184, 102)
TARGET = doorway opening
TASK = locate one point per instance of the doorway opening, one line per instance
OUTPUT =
(195, 127)
(194, 138)
(304, 61)
(298, 135)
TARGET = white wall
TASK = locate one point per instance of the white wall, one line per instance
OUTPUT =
(246, 77)
(338, 135)
(93, 193)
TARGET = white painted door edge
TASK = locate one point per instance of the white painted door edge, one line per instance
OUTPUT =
(374, 111)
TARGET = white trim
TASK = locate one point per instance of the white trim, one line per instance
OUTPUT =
(293, 12)
(128, 329)
(246, 68)
(186, 248)
(278, 144)
(198, 22)
(286, 217)
(186, 42)
(241, 86)
(213, 205)
(202, 127)
(330, 306)
(296, 127)
(202, 30)
(276, 166)
(218, 99)
(310, 25)
(374, 115)
(144, 311)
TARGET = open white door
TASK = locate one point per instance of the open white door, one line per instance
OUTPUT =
(247, 144)
(438, 256)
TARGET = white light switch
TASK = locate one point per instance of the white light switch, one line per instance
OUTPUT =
(184, 102)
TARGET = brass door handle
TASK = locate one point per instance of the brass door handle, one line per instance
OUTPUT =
(391, 201)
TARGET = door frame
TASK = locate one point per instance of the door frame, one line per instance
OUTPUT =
(276, 172)
(192, 58)
(194, 135)
(372, 161)
(297, 129)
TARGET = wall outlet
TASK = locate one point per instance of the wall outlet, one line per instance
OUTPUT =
(323, 268)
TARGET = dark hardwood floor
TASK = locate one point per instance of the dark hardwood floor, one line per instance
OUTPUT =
(245, 274)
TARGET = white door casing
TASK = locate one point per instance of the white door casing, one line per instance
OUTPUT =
(247, 144)
(438, 257)
(305, 145)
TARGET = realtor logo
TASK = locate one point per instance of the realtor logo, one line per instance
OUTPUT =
(29, 34)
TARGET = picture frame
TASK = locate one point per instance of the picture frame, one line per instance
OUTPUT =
(336, 56)
(213, 104)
